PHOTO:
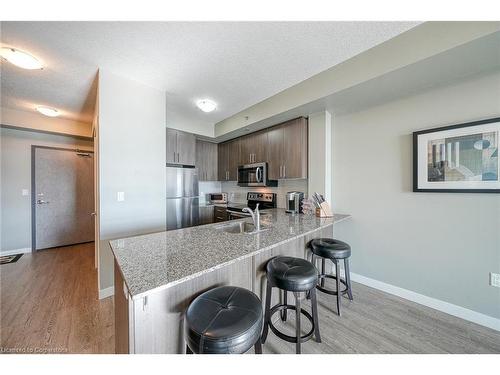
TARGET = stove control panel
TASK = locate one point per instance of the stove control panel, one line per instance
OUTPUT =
(261, 197)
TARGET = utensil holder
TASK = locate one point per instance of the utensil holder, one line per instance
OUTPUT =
(324, 210)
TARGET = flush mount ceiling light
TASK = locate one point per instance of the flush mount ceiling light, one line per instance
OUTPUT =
(206, 105)
(47, 111)
(20, 58)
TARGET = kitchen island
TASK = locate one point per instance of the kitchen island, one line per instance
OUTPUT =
(157, 275)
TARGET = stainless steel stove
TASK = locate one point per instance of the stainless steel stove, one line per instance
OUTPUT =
(265, 200)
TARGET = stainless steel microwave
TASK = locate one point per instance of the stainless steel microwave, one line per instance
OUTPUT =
(254, 175)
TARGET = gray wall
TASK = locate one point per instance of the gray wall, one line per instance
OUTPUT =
(441, 245)
(15, 154)
(132, 146)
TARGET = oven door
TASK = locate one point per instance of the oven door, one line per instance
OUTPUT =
(252, 174)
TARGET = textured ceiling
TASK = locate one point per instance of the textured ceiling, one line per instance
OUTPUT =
(237, 64)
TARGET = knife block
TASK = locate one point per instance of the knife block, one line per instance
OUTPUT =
(324, 210)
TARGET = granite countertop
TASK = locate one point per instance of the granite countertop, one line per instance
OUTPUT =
(160, 260)
(207, 204)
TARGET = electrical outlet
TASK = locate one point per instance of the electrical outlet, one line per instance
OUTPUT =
(25, 192)
(120, 196)
(495, 279)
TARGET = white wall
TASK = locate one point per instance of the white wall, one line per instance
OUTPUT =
(132, 144)
(15, 154)
(320, 154)
(36, 121)
(441, 245)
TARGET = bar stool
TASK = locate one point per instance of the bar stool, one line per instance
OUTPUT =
(335, 250)
(291, 275)
(224, 320)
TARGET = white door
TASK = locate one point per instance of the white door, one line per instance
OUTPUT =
(63, 197)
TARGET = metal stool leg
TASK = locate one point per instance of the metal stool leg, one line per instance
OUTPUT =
(297, 321)
(258, 347)
(285, 302)
(267, 313)
(337, 278)
(188, 351)
(314, 307)
(323, 271)
(313, 261)
(348, 277)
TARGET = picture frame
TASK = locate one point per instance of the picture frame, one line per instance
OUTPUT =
(461, 158)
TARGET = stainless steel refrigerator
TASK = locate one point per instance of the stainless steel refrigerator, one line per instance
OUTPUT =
(182, 197)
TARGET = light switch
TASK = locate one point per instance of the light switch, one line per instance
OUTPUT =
(25, 192)
(120, 196)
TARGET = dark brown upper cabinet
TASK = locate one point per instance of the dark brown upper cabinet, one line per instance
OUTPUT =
(229, 160)
(253, 148)
(181, 147)
(206, 160)
(287, 150)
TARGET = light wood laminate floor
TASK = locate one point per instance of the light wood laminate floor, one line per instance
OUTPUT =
(49, 303)
(377, 322)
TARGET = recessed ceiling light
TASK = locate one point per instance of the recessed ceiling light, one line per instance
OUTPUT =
(21, 59)
(47, 111)
(206, 105)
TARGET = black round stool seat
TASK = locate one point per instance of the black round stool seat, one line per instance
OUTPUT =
(330, 248)
(224, 320)
(292, 274)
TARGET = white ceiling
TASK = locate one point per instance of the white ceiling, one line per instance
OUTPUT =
(237, 64)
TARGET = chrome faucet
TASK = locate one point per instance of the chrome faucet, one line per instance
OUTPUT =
(255, 216)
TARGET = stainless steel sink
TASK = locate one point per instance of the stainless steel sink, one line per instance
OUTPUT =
(239, 227)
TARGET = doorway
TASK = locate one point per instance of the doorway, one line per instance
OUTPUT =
(62, 198)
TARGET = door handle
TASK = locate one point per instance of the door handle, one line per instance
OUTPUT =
(41, 201)
(93, 214)
(258, 174)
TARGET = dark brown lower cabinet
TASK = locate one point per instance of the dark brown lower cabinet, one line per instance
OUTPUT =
(220, 214)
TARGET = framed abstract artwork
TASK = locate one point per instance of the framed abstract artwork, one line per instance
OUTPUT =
(460, 158)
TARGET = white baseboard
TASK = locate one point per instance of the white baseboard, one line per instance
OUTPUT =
(448, 308)
(107, 292)
(24, 250)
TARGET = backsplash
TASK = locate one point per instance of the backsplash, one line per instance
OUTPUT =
(239, 194)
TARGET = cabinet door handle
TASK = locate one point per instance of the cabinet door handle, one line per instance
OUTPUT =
(284, 171)
(281, 171)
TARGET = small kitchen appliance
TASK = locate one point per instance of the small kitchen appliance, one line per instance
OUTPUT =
(217, 198)
(294, 202)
